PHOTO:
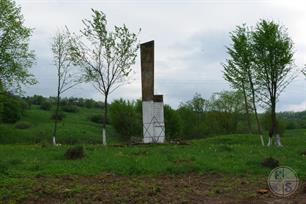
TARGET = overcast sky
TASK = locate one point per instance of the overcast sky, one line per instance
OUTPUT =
(190, 40)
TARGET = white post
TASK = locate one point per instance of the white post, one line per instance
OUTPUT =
(277, 141)
(104, 137)
(262, 141)
(53, 141)
(270, 142)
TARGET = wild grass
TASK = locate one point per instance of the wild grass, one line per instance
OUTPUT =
(75, 128)
(233, 154)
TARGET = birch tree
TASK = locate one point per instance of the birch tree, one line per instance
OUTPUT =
(67, 76)
(106, 57)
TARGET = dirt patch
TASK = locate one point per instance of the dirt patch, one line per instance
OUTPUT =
(187, 188)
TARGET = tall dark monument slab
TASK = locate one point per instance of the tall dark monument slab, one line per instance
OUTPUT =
(147, 70)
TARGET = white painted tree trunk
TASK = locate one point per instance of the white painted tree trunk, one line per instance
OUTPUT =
(278, 141)
(53, 141)
(270, 142)
(262, 141)
(104, 137)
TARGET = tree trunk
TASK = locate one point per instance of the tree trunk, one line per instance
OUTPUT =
(274, 127)
(104, 121)
(255, 110)
(247, 109)
(56, 118)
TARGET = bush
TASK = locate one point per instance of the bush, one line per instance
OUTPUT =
(60, 116)
(125, 119)
(76, 152)
(11, 109)
(98, 119)
(37, 100)
(23, 125)
(173, 123)
(270, 163)
(267, 122)
(46, 106)
(70, 108)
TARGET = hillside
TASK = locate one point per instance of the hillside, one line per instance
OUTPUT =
(75, 128)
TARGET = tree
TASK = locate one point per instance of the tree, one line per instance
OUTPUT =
(192, 116)
(125, 119)
(273, 61)
(228, 106)
(15, 54)
(239, 71)
(236, 68)
(66, 76)
(105, 56)
(173, 123)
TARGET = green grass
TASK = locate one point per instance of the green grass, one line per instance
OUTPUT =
(21, 161)
(75, 128)
(231, 155)
(234, 154)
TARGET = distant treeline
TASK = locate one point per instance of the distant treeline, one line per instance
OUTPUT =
(223, 113)
(81, 102)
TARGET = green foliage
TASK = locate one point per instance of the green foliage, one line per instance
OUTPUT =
(106, 57)
(15, 55)
(173, 123)
(36, 99)
(238, 68)
(219, 115)
(58, 116)
(70, 108)
(125, 119)
(273, 61)
(12, 109)
(46, 105)
(266, 121)
(99, 119)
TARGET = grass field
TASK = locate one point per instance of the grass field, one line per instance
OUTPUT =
(220, 169)
(75, 128)
(232, 156)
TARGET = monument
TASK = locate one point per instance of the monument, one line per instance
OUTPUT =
(152, 105)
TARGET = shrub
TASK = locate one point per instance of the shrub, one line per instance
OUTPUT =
(98, 119)
(76, 152)
(267, 122)
(125, 119)
(23, 125)
(11, 109)
(60, 116)
(46, 106)
(70, 108)
(173, 123)
(270, 163)
(37, 100)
